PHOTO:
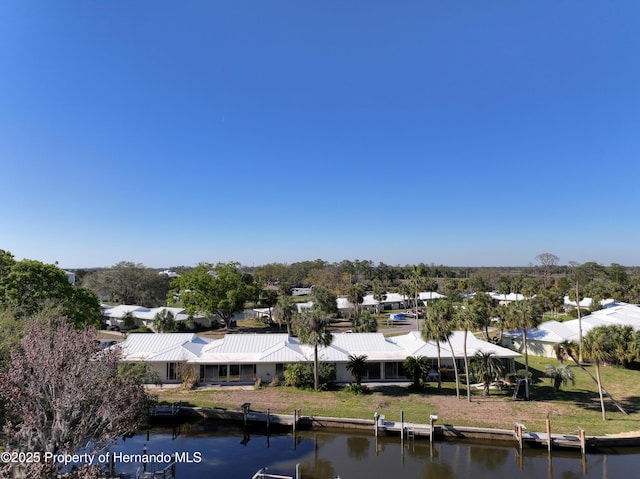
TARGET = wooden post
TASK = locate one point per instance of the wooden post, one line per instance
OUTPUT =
(402, 425)
(375, 423)
(298, 473)
(268, 420)
(583, 442)
(548, 434)
(294, 421)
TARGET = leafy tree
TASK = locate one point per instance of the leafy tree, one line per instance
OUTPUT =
(486, 368)
(222, 291)
(63, 393)
(325, 301)
(129, 283)
(30, 287)
(416, 367)
(364, 322)
(6, 263)
(560, 376)
(165, 322)
(268, 298)
(357, 366)
(139, 371)
(312, 328)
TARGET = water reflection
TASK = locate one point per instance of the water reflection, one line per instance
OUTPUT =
(236, 453)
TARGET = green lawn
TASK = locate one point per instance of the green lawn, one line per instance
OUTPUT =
(575, 406)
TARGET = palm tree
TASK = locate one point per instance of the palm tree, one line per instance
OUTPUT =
(379, 292)
(285, 310)
(599, 345)
(524, 315)
(356, 296)
(312, 328)
(415, 367)
(364, 322)
(560, 376)
(440, 328)
(357, 366)
(487, 368)
(464, 320)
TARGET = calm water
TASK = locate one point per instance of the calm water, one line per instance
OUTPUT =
(226, 452)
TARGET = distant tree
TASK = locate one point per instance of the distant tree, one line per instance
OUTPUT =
(268, 298)
(222, 290)
(357, 366)
(325, 301)
(379, 292)
(487, 368)
(285, 310)
(129, 283)
(356, 296)
(63, 393)
(483, 308)
(560, 375)
(165, 322)
(547, 262)
(364, 322)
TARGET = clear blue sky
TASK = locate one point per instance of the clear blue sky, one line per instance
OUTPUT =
(462, 133)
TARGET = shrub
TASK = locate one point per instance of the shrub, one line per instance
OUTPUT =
(300, 375)
(356, 389)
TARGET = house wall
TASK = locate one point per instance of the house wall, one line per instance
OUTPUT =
(535, 348)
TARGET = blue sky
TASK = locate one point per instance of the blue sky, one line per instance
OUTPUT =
(462, 133)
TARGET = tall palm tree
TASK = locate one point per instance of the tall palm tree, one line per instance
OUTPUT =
(524, 315)
(312, 329)
(599, 345)
(356, 296)
(487, 368)
(463, 318)
(439, 328)
(379, 292)
(285, 310)
(357, 366)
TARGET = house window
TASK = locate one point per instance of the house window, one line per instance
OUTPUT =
(373, 370)
(208, 372)
(248, 372)
(172, 371)
(280, 370)
(234, 372)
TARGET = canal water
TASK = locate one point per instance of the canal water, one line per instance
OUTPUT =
(220, 450)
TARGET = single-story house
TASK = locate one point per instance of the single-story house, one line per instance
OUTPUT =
(115, 316)
(249, 357)
(542, 340)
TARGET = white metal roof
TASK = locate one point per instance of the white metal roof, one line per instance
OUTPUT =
(279, 348)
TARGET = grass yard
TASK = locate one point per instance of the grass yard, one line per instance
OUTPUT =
(573, 407)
